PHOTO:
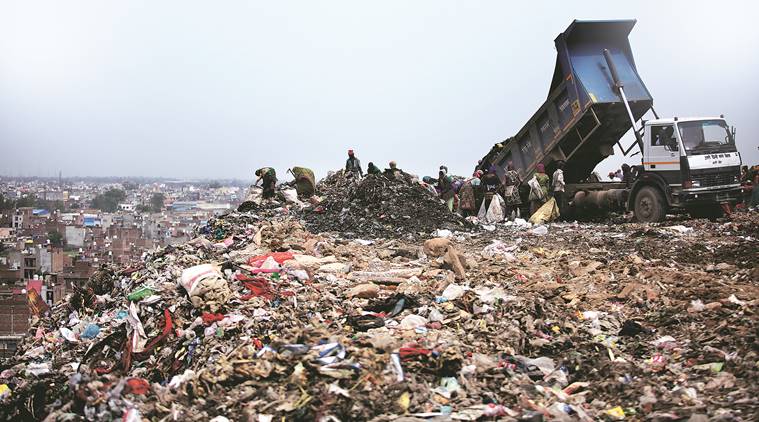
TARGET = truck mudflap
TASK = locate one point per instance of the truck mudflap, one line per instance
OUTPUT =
(730, 195)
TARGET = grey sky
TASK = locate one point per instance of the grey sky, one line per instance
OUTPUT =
(217, 89)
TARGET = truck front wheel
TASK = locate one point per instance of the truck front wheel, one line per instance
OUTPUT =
(650, 206)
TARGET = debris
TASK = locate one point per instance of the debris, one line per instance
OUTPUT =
(379, 207)
(206, 286)
(587, 322)
(364, 291)
(91, 331)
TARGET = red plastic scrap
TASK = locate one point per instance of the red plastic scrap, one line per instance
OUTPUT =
(209, 318)
(411, 352)
(280, 257)
(101, 370)
(258, 288)
(243, 277)
(138, 386)
(167, 327)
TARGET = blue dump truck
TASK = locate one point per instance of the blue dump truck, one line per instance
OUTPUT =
(596, 97)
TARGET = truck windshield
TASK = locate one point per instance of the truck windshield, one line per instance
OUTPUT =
(706, 136)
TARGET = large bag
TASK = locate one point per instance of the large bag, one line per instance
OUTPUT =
(536, 192)
(495, 212)
(548, 212)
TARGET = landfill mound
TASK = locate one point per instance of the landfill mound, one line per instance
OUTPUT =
(260, 319)
(377, 206)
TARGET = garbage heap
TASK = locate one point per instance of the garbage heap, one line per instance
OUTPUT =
(377, 206)
(259, 319)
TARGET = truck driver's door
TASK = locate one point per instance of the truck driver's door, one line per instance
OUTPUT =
(663, 153)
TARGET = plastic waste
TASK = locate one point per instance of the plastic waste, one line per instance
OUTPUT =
(178, 380)
(453, 291)
(499, 248)
(138, 386)
(443, 233)
(68, 335)
(38, 369)
(91, 331)
(141, 293)
(411, 322)
(494, 213)
(206, 286)
(546, 213)
(616, 413)
(494, 410)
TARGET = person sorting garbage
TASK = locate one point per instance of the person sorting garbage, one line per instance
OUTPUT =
(394, 172)
(269, 176)
(305, 182)
(373, 169)
(445, 186)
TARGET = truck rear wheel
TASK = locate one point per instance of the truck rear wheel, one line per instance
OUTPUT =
(650, 206)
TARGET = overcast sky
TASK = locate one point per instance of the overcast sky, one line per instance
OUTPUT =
(217, 89)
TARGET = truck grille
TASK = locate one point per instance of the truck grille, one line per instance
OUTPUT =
(715, 179)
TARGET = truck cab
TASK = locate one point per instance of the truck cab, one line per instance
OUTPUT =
(692, 162)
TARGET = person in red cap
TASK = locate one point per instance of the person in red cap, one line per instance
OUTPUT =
(353, 165)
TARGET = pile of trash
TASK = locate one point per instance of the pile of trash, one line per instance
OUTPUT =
(261, 319)
(379, 207)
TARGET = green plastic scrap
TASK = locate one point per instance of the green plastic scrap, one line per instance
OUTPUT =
(141, 293)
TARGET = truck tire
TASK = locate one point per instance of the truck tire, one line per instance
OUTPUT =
(650, 206)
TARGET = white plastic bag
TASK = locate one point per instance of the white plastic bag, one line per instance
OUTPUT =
(496, 212)
(191, 277)
(536, 192)
(291, 195)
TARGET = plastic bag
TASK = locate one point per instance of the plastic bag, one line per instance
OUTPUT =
(494, 213)
(547, 212)
(206, 286)
(536, 192)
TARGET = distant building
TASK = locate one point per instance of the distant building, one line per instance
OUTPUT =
(14, 319)
(55, 195)
(91, 220)
(7, 233)
(74, 236)
(22, 219)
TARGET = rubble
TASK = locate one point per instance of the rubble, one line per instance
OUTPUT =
(584, 322)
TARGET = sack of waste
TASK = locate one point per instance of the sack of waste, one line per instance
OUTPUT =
(206, 286)
(546, 213)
